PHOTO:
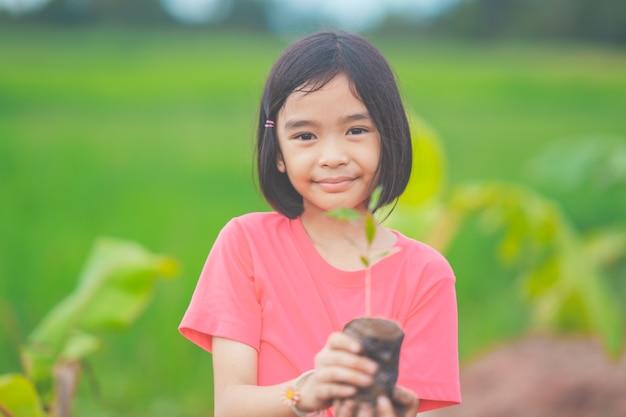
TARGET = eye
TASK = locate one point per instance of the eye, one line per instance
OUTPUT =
(357, 131)
(305, 136)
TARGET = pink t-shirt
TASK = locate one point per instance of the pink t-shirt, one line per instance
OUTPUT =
(264, 284)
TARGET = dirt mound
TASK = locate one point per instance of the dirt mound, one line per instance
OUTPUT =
(543, 376)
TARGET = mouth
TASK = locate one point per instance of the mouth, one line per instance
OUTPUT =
(334, 184)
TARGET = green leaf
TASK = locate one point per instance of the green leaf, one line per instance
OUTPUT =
(375, 198)
(365, 261)
(80, 345)
(385, 253)
(608, 246)
(370, 228)
(541, 279)
(600, 307)
(18, 397)
(343, 213)
(428, 178)
(574, 163)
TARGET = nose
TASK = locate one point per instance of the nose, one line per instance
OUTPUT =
(333, 153)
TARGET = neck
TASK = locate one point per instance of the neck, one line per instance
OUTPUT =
(342, 243)
(323, 228)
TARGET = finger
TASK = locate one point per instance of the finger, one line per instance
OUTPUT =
(343, 375)
(365, 410)
(384, 407)
(344, 408)
(343, 350)
(406, 398)
(343, 341)
(334, 357)
(328, 392)
(323, 395)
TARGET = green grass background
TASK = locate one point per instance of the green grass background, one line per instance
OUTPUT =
(147, 135)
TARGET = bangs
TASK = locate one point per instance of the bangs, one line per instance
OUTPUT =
(320, 81)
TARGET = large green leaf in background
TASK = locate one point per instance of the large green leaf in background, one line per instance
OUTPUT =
(587, 175)
(428, 177)
(420, 205)
(114, 287)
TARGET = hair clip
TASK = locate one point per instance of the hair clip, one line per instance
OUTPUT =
(269, 123)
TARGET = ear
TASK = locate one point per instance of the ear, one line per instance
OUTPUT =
(280, 164)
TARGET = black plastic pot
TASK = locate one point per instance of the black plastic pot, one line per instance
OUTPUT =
(381, 339)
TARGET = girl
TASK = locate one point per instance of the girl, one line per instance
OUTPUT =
(278, 287)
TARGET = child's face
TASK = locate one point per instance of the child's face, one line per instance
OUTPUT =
(330, 146)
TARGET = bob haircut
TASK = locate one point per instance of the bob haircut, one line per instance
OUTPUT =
(308, 65)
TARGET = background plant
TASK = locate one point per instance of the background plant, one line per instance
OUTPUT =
(114, 288)
(563, 270)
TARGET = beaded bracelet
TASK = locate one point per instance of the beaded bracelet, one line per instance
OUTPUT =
(291, 396)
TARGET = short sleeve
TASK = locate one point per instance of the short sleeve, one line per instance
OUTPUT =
(429, 356)
(224, 302)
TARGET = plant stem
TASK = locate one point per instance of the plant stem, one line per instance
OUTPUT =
(368, 291)
(5, 412)
(370, 233)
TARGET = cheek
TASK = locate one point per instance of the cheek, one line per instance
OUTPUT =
(372, 157)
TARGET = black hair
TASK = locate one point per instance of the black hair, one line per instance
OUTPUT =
(314, 61)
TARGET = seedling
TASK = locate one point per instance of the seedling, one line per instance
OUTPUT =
(381, 338)
(369, 224)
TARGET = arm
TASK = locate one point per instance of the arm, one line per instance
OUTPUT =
(235, 378)
(338, 370)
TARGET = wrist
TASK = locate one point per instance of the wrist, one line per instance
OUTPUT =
(292, 397)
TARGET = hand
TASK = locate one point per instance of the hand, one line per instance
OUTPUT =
(339, 370)
(405, 404)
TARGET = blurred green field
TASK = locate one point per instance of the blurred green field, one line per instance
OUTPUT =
(148, 136)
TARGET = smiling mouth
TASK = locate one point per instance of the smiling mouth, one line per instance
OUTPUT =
(334, 185)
